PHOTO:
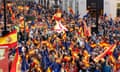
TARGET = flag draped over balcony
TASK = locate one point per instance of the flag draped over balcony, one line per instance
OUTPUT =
(9, 40)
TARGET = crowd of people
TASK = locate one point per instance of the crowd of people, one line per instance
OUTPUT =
(42, 49)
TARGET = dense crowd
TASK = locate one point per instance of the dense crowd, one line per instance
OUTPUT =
(42, 49)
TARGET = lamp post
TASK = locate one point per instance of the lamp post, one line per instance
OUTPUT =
(97, 14)
(5, 27)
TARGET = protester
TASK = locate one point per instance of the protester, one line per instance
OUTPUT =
(42, 49)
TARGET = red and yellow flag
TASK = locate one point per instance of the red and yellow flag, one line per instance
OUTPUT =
(104, 44)
(15, 67)
(64, 35)
(113, 60)
(49, 69)
(107, 51)
(81, 33)
(9, 40)
(57, 16)
(87, 30)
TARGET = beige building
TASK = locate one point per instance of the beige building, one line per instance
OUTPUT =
(80, 6)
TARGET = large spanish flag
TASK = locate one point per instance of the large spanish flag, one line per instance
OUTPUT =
(15, 67)
(107, 51)
(9, 40)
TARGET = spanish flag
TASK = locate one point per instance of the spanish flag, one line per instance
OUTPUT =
(67, 58)
(20, 7)
(36, 61)
(16, 63)
(107, 51)
(81, 32)
(93, 45)
(113, 60)
(49, 69)
(64, 35)
(86, 58)
(104, 44)
(118, 64)
(87, 30)
(9, 40)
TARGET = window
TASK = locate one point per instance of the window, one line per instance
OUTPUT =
(118, 5)
(65, 4)
(118, 9)
(76, 7)
(71, 1)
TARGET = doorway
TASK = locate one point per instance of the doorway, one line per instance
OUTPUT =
(95, 6)
(118, 10)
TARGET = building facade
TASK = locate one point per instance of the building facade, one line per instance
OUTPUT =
(112, 7)
(109, 7)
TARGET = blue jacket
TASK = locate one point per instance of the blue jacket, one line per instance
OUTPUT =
(106, 68)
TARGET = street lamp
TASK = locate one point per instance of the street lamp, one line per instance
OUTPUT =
(97, 14)
(5, 27)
